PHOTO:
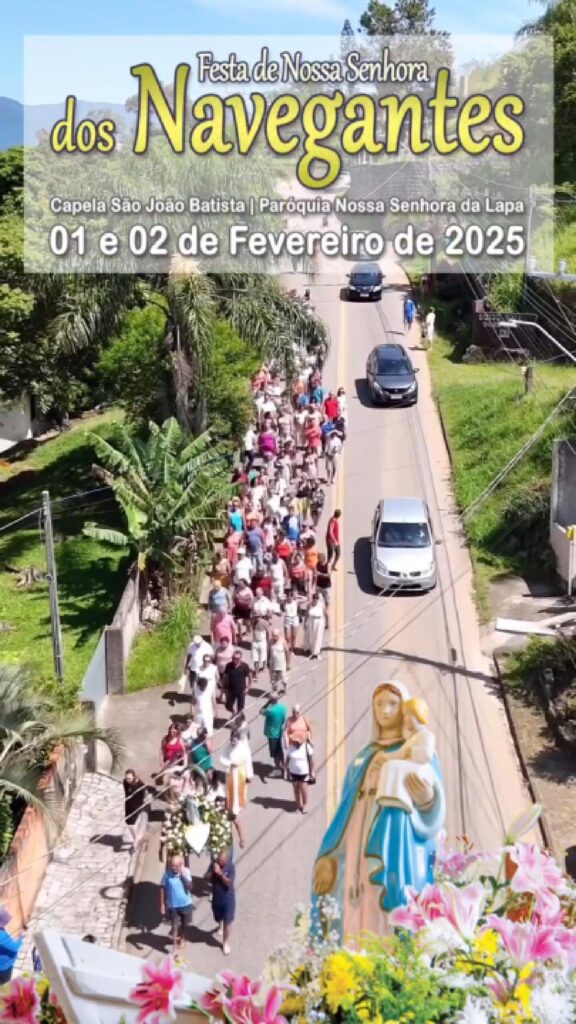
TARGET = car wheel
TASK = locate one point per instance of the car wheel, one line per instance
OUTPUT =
(349, 296)
(378, 295)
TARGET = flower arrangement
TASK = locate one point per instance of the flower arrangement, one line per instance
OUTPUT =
(173, 833)
(491, 941)
(220, 837)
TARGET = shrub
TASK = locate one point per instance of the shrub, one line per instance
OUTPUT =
(156, 658)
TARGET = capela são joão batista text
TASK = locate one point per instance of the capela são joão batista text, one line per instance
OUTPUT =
(314, 130)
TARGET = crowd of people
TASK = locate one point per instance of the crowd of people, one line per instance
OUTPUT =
(269, 599)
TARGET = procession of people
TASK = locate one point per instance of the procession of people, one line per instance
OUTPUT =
(268, 601)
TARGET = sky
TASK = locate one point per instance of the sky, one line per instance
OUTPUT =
(206, 17)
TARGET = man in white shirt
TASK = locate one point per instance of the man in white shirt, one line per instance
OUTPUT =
(195, 657)
(244, 569)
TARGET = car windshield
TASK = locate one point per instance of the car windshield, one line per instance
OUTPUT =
(404, 535)
(393, 367)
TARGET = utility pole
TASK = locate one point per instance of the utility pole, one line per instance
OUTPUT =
(53, 582)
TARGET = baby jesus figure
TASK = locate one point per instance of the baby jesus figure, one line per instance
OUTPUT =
(413, 758)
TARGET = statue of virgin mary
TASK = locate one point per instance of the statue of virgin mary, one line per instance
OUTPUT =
(372, 851)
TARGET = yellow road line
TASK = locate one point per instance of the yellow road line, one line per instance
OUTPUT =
(335, 698)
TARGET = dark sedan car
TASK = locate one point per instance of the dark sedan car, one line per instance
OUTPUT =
(365, 281)
(391, 376)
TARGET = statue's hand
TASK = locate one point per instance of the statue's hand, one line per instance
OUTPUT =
(421, 792)
(325, 873)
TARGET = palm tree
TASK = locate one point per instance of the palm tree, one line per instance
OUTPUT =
(273, 320)
(548, 19)
(171, 491)
(30, 730)
(256, 305)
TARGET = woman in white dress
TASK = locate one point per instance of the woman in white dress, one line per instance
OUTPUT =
(315, 623)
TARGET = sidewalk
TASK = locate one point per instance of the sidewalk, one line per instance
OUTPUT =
(84, 889)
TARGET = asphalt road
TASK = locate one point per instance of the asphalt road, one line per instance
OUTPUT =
(429, 642)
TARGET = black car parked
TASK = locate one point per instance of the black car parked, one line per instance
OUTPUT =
(391, 376)
(365, 281)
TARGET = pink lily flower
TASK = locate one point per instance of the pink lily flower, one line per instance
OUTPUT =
(434, 902)
(535, 870)
(156, 992)
(20, 1003)
(229, 990)
(525, 942)
(243, 1010)
(464, 906)
(547, 909)
(566, 939)
(429, 905)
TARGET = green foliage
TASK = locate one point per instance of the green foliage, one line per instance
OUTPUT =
(11, 176)
(524, 528)
(157, 655)
(525, 673)
(488, 420)
(171, 492)
(6, 825)
(505, 292)
(232, 364)
(91, 576)
(30, 729)
(404, 987)
(558, 24)
(406, 17)
(133, 370)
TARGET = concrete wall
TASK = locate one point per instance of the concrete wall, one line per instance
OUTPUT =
(15, 423)
(107, 669)
(23, 870)
(127, 617)
(563, 505)
(94, 683)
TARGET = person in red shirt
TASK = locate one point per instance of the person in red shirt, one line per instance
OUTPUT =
(333, 539)
(284, 547)
(331, 406)
(313, 436)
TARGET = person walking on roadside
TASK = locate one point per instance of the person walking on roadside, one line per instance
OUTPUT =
(314, 627)
(136, 804)
(430, 325)
(333, 539)
(409, 313)
(195, 657)
(332, 457)
(278, 661)
(297, 727)
(300, 769)
(176, 897)
(237, 677)
(9, 948)
(222, 877)
(275, 714)
(260, 631)
(324, 584)
(291, 620)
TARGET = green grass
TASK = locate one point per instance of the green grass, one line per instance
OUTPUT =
(157, 654)
(488, 419)
(91, 575)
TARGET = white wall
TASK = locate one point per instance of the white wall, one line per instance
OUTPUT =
(15, 423)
